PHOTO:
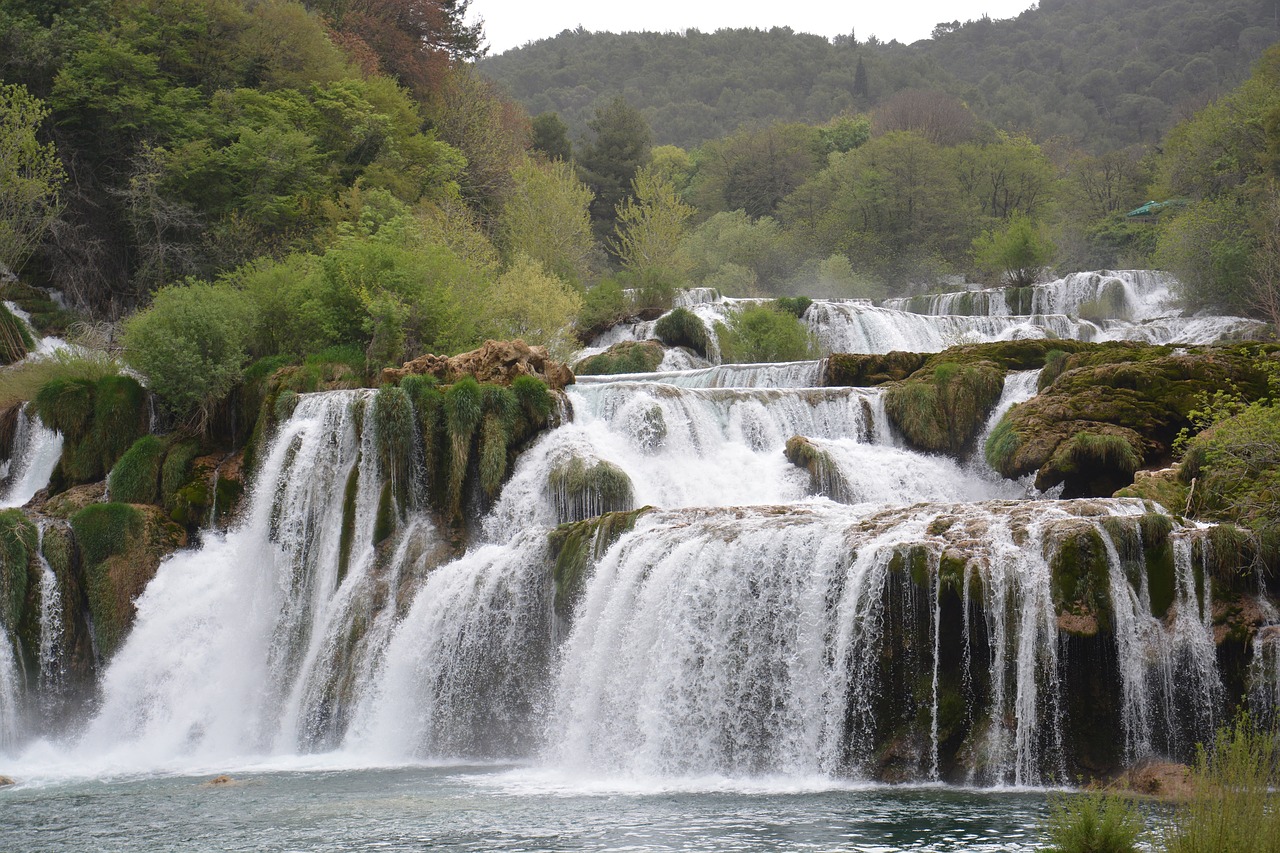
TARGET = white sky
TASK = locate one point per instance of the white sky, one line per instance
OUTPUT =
(511, 23)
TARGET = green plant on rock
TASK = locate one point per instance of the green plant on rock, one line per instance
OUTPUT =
(764, 333)
(682, 328)
(18, 537)
(625, 357)
(942, 411)
(15, 340)
(99, 420)
(794, 305)
(575, 546)
(1093, 822)
(135, 478)
(463, 410)
(104, 531)
(394, 425)
(584, 489)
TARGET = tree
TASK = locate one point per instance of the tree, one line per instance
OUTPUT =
(527, 302)
(191, 346)
(609, 161)
(546, 218)
(650, 225)
(551, 137)
(940, 118)
(1015, 253)
(30, 176)
(860, 88)
(754, 170)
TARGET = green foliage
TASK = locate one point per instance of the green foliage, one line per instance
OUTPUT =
(394, 425)
(582, 489)
(534, 399)
(119, 416)
(551, 137)
(136, 476)
(103, 531)
(762, 333)
(546, 217)
(609, 160)
(603, 307)
(18, 538)
(1232, 808)
(943, 410)
(191, 345)
(624, 357)
(176, 469)
(31, 176)
(794, 305)
(528, 303)
(754, 254)
(1093, 822)
(15, 340)
(650, 225)
(682, 328)
(462, 413)
(1014, 254)
(99, 420)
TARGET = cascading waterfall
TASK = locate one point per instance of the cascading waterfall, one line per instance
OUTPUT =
(10, 692)
(51, 654)
(36, 450)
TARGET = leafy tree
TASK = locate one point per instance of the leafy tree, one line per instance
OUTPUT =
(650, 226)
(754, 170)
(528, 303)
(31, 176)
(760, 248)
(546, 218)
(1015, 253)
(191, 346)
(551, 137)
(938, 117)
(609, 161)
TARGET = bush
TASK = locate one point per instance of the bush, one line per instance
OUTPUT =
(603, 307)
(1093, 822)
(625, 357)
(762, 333)
(191, 345)
(1232, 809)
(21, 382)
(1014, 254)
(794, 305)
(135, 478)
(682, 328)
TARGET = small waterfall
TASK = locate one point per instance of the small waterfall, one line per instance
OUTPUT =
(1264, 677)
(793, 374)
(10, 692)
(51, 655)
(36, 451)
(259, 641)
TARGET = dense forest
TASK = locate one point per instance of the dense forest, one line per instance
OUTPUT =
(1098, 75)
(343, 179)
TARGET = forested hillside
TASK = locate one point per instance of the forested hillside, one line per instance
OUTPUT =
(1100, 74)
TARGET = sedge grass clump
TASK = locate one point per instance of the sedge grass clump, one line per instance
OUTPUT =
(463, 409)
(18, 539)
(682, 328)
(1093, 822)
(584, 489)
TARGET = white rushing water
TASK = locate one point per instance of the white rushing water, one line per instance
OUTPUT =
(892, 615)
(36, 451)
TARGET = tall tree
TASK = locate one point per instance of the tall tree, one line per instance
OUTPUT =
(30, 176)
(551, 137)
(609, 161)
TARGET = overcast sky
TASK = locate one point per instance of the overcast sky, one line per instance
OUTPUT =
(511, 23)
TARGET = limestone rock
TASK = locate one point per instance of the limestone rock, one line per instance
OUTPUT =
(7, 781)
(495, 362)
(74, 499)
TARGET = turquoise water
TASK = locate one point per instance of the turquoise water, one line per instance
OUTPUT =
(502, 809)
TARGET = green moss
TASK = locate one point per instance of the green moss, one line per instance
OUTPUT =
(917, 561)
(15, 339)
(1080, 573)
(1019, 300)
(625, 357)
(175, 472)
(576, 546)
(18, 538)
(1055, 362)
(347, 534)
(942, 410)
(135, 479)
(1092, 463)
(581, 490)
(66, 405)
(285, 403)
(825, 477)
(846, 370)
(493, 454)
(104, 531)
(1157, 552)
(682, 328)
(119, 416)
(395, 424)
(384, 523)
(1002, 445)
(462, 413)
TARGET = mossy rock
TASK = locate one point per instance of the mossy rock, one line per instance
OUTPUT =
(63, 556)
(15, 338)
(99, 421)
(942, 408)
(47, 316)
(625, 357)
(577, 545)
(681, 328)
(66, 504)
(1079, 577)
(1140, 395)
(825, 477)
(1164, 487)
(582, 489)
(18, 538)
(122, 546)
(847, 370)
(135, 479)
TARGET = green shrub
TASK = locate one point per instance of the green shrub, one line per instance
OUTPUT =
(534, 398)
(136, 476)
(682, 328)
(15, 339)
(581, 490)
(119, 416)
(794, 305)
(762, 333)
(1093, 822)
(176, 470)
(1232, 808)
(65, 404)
(191, 345)
(603, 307)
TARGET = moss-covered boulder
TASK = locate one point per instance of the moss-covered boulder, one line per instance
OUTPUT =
(682, 328)
(1115, 408)
(577, 545)
(850, 370)
(586, 488)
(18, 538)
(941, 409)
(15, 338)
(625, 357)
(121, 546)
(494, 363)
(135, 479)
(1080, 577)
(825, 477)
(63, 556)
(99, 421)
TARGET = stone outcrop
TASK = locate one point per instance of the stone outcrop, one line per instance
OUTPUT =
(495, 363)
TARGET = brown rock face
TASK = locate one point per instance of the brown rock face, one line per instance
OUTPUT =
(496, 362)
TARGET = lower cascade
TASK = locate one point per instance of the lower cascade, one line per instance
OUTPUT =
(686, 578)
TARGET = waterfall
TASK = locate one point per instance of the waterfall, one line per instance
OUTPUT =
(51, 654)
(10, 692)
(36, 451)
(257, 642)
